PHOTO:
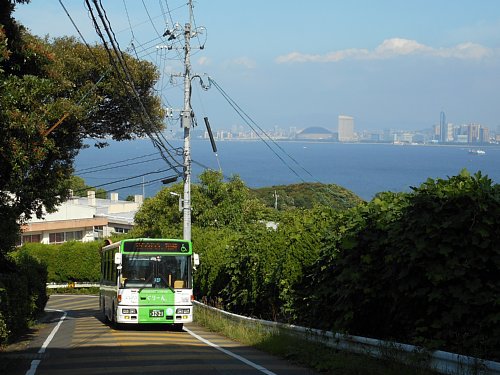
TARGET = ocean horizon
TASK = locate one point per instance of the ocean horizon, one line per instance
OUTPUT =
(364, 168)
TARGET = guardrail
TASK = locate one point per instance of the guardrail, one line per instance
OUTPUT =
(440, 361)
(72, 284)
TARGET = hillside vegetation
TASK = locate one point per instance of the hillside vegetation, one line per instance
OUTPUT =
(419, 267)
(307, 195)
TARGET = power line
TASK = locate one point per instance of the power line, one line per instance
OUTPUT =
(133, 185)
(155, 136)
(128, 179)
(150, 19)
(119, 166)
(114, 163)
(249, 122)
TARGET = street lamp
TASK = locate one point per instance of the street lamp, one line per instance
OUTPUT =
(180, 199)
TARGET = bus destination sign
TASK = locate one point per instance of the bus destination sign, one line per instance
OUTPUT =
(156, 246)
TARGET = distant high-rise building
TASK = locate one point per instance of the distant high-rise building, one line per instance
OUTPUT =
(474, 133)
(443, 128)
(346, 128)
(484, 135)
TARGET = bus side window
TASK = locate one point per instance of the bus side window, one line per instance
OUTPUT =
(114, 274)
(108, 266)
(102, 266)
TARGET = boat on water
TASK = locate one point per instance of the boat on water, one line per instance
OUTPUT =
(475, 151)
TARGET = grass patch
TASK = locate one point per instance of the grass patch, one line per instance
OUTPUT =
(91, 290)
(305, 353)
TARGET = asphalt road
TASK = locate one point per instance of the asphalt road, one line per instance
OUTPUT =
(82, 343)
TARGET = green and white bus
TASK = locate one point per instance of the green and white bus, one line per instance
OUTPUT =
(147, 280)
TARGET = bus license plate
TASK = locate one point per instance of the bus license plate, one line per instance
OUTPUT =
(156, 313)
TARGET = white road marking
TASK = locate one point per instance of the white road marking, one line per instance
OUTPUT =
(231, 354)
(36, 362)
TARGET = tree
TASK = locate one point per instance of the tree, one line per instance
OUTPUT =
(307, 195)
(53, 95)
(216, 204)
(418, 267)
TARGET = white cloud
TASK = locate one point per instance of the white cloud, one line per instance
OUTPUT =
(203, 61)
(244, 62)
(391, 48)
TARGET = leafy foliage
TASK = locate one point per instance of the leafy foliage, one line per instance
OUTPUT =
(419, 267)
(307, 195)
(70, 261)
(22, 295)
(215, 204)
(243, 262)
(53, 95)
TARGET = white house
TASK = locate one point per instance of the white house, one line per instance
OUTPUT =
(83, 219)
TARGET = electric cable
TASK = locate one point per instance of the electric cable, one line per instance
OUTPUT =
(128, 179)
(145, 183)
(244, 118)
(114, 163)
(119, 166)
(249, 121)
(123, 63)
(130, 87)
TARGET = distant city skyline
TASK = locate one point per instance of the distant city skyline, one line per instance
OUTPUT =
(470, 134)
(334, 126)
(389, 64)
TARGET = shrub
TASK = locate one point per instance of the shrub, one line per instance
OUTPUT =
(36, 278)
(419, 268)
(70, 261)
(23, 295)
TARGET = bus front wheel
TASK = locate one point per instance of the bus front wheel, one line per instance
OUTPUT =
(177, 327)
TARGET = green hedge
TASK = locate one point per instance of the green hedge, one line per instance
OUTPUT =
(22, 295)
(23, 292)
(420, 267)
(251, 271)
(70, 261)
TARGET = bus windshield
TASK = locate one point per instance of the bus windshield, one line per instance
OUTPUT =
(154, 271)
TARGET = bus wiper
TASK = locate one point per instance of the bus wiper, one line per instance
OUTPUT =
(148, 281)
(166, 283)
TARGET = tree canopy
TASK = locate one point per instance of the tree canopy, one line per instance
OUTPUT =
(307, 195)
(215, 204)
(418, 267)
(53, 95)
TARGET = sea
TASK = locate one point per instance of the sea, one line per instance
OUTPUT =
(136, 167)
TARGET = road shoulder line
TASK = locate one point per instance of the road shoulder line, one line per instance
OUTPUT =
(229, 353)
(36, 362)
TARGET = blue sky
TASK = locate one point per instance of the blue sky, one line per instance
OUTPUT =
(388, 63)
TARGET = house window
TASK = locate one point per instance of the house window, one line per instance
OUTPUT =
(25, 238)
(61, 237)
(31, 238)
(56, 237)
(121, 230)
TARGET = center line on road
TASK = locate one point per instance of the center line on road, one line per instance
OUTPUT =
(225, 351)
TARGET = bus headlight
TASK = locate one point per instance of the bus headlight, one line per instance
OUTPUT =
(129, 311)
(182, 311)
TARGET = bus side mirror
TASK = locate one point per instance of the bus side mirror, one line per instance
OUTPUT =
(118, 258)
(196, 260)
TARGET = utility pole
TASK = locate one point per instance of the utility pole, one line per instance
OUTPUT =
(186, 112)
(186, 119)
(275, 195)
